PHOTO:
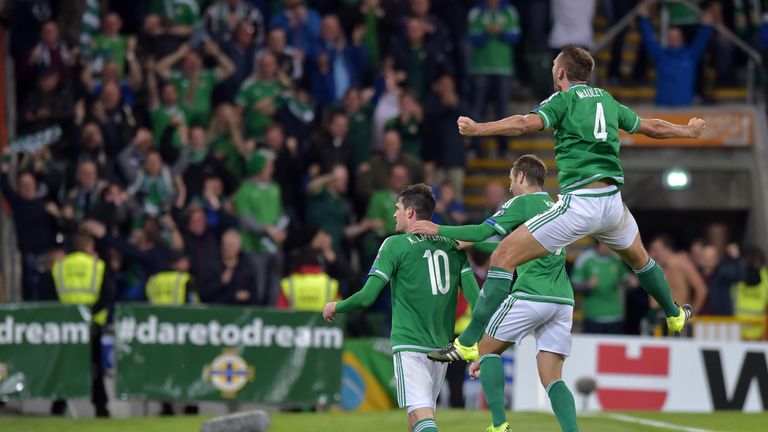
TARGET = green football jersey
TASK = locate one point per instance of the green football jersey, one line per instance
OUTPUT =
(424, 273)
(586, 122)
(603, 302)
(543, 279)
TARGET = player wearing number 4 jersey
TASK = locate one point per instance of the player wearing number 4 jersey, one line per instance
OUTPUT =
(540, 302)
(425, 273)
(586, 122)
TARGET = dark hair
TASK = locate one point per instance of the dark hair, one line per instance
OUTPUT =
(753, 256)
(533, 167)
(420, 198)
(82, 242)
(577, 62)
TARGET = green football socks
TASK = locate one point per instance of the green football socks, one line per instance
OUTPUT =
(652, 279)
(495, 290)
(492, 379)
(426, 425)
(563, 405)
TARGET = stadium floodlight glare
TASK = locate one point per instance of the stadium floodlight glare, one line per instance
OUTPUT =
(676, 178)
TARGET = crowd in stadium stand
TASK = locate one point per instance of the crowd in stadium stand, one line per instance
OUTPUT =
(243, 141)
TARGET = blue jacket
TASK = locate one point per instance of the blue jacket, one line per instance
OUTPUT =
(675, 67)
(323, 86)
(304, 37)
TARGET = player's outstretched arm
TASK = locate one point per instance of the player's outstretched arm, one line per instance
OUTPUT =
(657, 128)
(469, 233)
(510, 126)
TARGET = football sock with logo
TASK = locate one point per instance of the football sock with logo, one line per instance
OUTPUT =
(492, 380)
(563, 405)
(652, 279)
(495, 290)
(426, 425)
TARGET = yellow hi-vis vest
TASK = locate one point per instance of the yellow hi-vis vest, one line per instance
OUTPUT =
(751, 301)
(167, 288)
(309, 292)
(78, 278)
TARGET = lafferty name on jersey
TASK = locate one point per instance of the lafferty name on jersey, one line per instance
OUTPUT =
(588, 92)
(418, 238)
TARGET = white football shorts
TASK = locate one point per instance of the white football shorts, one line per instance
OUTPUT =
(549, 323)
(418, 379)
(599, 213)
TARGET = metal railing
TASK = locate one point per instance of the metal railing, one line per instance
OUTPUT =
(755, 58)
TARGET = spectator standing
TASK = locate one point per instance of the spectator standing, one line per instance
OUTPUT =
(494, 29)
(721, 272)
(290, 60)
(418, 60)
(194, 83)
(373, 175)
(301, 24)
(241, 51)
(110, 45)
(49, 105)
(288, 170)
(752, 295)
(35, 224)
(308, 287)
(259, 208)
(334, 64)
(572, 24)
(685, 283)
(448, 210)
(599, 273)
(409, 123)
(359, 110)
(331, 147)
(51, 53)
(677, 63)
(261, 96)
(223, 17)
(232, 279)
(445, 145)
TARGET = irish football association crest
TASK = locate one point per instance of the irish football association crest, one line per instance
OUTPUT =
(229, 373)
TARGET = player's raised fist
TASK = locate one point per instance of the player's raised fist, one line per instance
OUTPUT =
(425, 228)
(467, 126)
(329, 311)
(697, 126)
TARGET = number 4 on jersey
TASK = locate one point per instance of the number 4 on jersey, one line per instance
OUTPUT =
(601, 133)
(441, 281)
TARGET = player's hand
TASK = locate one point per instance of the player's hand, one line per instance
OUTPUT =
(467, 126)
(425, 228)
(696, 126)
(329, 312)
(474, 370)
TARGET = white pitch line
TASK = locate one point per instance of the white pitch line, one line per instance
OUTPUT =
(654, 423)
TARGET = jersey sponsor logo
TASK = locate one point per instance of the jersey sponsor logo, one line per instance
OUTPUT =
(229, 373)
(613, 359)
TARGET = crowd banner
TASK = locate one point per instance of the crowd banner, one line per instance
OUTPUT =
(226, 354)
(368, 377)
(726, 127)
(653, 374)
(45, 351)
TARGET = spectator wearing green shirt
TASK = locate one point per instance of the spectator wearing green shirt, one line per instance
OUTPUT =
(409, 124)
(359, 110)
(261, 96)
(494, 28)
(164, 110)
(259, 209)
(193, 82)
(110, 45)
(599, 273)
(183, 14)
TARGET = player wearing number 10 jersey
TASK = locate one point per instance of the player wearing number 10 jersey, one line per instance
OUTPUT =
(425, 273)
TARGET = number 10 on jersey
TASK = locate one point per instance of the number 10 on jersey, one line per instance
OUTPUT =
(440, 278)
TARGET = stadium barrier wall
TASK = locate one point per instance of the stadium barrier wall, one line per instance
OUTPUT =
(218, 353)
(670, 374)
(190, 353)
(45, 351)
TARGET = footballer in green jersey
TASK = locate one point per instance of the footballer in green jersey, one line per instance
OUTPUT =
(585, 121)
(425, 274)
(541, 299)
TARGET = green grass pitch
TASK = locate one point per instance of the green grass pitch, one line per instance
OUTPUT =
(447, 421)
